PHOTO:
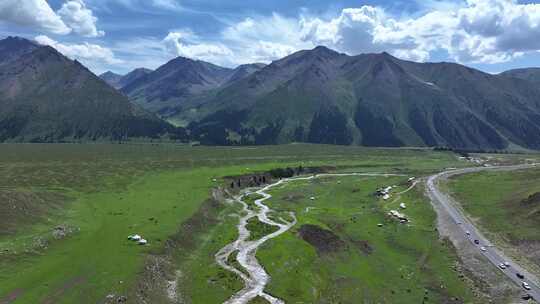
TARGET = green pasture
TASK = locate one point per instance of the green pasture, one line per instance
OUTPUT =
(103, 192)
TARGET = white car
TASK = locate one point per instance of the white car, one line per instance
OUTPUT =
(502, 266)
(483, 248)
(526, 285)
(467, 232)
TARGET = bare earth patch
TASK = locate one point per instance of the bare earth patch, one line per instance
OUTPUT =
(533, 199)
(325, 241)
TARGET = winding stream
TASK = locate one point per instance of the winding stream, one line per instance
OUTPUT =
(253, 274)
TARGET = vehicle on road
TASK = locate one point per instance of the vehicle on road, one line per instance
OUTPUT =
(497, 259)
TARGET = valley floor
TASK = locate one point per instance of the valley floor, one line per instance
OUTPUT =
(347, 249)
(66, 212)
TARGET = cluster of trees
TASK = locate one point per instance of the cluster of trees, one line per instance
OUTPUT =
(254, 181)
(257, 180)
(286, 172)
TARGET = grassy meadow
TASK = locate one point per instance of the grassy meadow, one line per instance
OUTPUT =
(66, 211)
(337, 253)
(506, 205)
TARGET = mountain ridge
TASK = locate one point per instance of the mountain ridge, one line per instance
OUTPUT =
(118, 81)
(315, 96)
(322, 96)
(182, 80)
(13, 47)
(46, 97)
(111, 78)
(529, 74)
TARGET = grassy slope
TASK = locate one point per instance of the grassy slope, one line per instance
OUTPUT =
(494, 200)
(405, 265)
(100, 252)
(115, 189)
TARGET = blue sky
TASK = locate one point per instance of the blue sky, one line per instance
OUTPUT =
(119, 35)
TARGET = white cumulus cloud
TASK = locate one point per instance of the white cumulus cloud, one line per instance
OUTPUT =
(251, 40)
(487, 31)
(495, 31)
(185, 44)
(361, 30)
(263, 39)
(32, 13)
(73, 17)
(471, 31)
(78, 17)
(468, 31)
(91, 55)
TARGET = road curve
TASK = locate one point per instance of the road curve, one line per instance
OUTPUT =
(464, 225)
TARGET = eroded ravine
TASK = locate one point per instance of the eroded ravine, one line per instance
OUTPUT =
(254, 276)
(252, 273)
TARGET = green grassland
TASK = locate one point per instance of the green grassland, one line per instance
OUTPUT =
(100, 193)
(505, 206)
(363, 263)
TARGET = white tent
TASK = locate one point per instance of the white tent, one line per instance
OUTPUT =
(134, 237)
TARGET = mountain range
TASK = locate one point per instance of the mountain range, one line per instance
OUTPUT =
(183, 80)
(322, 96)
(118, 81)
(317, 96)
(46, 97)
